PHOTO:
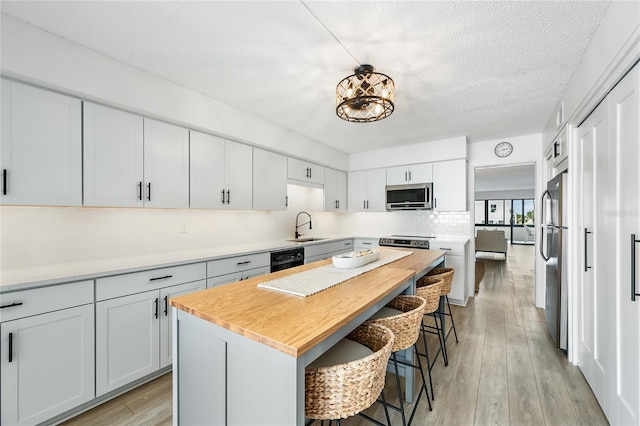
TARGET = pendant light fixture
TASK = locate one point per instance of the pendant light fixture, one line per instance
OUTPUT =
(365, 96)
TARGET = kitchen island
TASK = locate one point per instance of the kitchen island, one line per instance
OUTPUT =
(240, 351)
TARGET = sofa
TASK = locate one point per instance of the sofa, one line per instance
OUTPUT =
(491, 241)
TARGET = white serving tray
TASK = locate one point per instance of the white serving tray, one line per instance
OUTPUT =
(355, 259)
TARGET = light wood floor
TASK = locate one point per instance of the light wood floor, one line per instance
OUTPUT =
(504, 371)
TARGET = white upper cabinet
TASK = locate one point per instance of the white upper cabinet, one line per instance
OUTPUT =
(305, 171)
(335, 190)
(41, 147)
(415, 173)
(166, 165)
(450, 185)
(113, 157)
(366, 190)
(221, 173)
(269, 180)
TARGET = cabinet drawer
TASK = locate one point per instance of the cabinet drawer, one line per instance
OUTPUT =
(237, 264)
(137, 282)
(318, 249)
(364, 243)
(452, 249)
(36, 301)
(237, 276)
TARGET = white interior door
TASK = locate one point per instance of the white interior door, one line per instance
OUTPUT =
(625, 136)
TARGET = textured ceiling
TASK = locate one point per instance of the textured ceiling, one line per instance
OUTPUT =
(485, 70)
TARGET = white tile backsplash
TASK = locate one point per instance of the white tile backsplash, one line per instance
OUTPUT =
(33, 236)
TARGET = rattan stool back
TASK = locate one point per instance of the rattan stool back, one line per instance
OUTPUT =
(429, 288)
(343, 390)
(447, 275)
(405, 326)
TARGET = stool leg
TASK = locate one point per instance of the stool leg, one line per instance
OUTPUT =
(400, 397)
(451, 316)
(386, 410)
(426, 353)
(441, 337)
(424, 381)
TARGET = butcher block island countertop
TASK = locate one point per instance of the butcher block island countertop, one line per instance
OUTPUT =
(293, 324)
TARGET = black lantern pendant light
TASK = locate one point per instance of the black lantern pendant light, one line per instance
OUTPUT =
(365, 96)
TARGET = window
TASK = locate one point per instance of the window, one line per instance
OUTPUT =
(502, 212)
(496, 212)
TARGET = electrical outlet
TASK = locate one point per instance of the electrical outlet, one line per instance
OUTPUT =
(184, 229)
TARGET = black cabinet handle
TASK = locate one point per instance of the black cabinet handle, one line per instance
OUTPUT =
(445, 248)
(149, 191)
(338, 204)
(286, 201)
(405, 176)
(556, 151)
(633, 268)
(140, 190)
(11, 305)
(156, 312)
(366, 244)
(4, 181)
(161, 278)
(166, 306)
(246, 262)
(409, 175)
(364, 204)
(228, 197)
(586, 267)
(309, 172)
(10, 347)
(367, 204)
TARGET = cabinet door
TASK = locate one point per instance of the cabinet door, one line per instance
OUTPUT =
(398, 175)
(166, 165)
(206, 171)
(41, 148)
(166, 317)
(624, 119)
(450, 185)
(459, 277)
(113, 157)
(376, 194)
(420, 173)
(304, 171)
(335, 190)
(269, 180)
(224, 279)
(51, 366)
(316, 173)
(239, 175)
(127, 332)
(357, 191)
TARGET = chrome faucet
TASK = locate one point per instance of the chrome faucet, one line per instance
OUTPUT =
(298, 226)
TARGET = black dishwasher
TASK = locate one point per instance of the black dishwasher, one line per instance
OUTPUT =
(287, 259)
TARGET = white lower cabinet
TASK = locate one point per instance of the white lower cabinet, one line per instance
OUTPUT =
(133, 331)
(47, 364)
(455, 258)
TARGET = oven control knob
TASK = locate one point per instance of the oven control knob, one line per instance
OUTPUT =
(299, 256)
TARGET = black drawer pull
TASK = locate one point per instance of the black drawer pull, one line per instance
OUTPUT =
(156, 310)
(366, 244)
(161, 278)
(140, 190)
(222, 192)
(244, 263)
(149, 191)
(11, 305)
(166, 306)
(586, 256)
(445, 248)
(4, 181)
(10, 347)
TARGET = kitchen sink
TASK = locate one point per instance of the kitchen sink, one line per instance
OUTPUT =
(306, 240)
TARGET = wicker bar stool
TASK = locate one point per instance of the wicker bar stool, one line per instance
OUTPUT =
(350, 376)
(447, 275)
(403, 316)
(429, 288)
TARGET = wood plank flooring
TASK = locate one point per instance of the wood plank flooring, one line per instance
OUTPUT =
(504, 371)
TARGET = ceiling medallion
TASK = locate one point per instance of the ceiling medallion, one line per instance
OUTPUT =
(365, 96)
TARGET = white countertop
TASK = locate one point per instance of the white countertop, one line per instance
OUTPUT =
(36, 276)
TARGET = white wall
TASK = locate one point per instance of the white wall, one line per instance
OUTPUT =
(32, 55)
(426, 152)
(526, 150)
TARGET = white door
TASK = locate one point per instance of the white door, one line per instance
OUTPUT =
(207, 171)
(166, 165)
(376, 194)
(41, 147)
(449, 185)
(269, 180)
(421, 173)
(166, 317)
(51, 366)
(625, 136)
(238, 175)
(113, 157)
(398, 175)
(357, 191)
(127, 333)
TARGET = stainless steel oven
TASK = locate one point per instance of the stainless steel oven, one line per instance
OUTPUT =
(287, 259)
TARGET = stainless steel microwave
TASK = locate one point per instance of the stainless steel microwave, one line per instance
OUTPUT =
(410, 197)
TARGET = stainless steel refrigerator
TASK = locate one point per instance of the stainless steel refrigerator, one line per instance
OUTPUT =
(553, 249)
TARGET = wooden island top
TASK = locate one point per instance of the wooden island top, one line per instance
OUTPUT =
(293, 324)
